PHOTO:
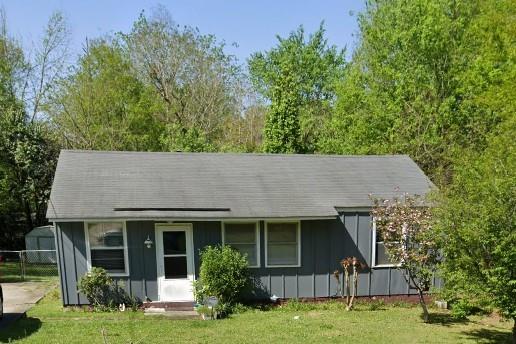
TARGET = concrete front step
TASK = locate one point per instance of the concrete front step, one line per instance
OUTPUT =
(170, 306)
(190, 314)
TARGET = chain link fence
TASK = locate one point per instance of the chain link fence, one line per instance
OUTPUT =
(28, 265)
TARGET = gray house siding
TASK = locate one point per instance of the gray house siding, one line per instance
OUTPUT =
(323, 244)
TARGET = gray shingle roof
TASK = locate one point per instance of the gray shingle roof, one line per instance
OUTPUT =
(96, 184)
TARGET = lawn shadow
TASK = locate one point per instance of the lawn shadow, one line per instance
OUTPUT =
(21, 328)
(489, 336)
(444, 319)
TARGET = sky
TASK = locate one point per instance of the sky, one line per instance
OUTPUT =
(252, 25)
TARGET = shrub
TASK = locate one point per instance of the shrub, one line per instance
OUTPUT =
(102, 293)
(462, 308)
(224, 274)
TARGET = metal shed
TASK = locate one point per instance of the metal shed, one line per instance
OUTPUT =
(39, 243)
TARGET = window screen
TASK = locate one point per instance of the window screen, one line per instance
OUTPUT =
(381, 255)
(243, 237)
(107, 243)
(282, 244)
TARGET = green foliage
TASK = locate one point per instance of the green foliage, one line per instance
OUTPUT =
(224, 274)
(199, 85)
(461, 309)
(376, 305)
(103, 293)
(94, 284)
(426, 79)
(297, 77)
(282, 132)
(102, 105)
(176, 138)
(28, 155)
(476, 220)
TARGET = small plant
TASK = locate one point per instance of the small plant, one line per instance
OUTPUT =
(240, 308)
(376, 305)
(94, 285)
(401, 304)
(103, 294)
(296, 305)
(351, 266)
(224, 274)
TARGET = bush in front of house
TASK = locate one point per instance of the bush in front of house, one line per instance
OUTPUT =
(103, 293)
(224, 273)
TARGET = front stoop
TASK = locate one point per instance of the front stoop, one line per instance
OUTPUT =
(170, 306)
(171, 314)
(175, 310)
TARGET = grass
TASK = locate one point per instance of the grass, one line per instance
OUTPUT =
(327, 322)
(11, 272)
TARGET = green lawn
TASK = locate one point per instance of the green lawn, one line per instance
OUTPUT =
(328, 322)
(11, 272)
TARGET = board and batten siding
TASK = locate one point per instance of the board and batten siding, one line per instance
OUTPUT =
(323, 244)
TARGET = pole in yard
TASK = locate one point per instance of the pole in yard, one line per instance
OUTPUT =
(22, 266)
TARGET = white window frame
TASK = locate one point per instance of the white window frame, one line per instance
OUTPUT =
(298, 233)
(257, 237)
(373, 257)
(88, 249)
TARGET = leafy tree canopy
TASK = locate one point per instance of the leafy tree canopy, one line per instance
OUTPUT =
(426, 79)
(298, 78)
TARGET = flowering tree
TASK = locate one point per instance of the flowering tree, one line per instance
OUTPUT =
(405, 226)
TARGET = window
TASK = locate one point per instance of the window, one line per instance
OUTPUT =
(244, 237)
(380, 256)
(106, 246)
(283, 244)
(174, 254)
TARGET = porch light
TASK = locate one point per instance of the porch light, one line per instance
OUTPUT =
(148, 242)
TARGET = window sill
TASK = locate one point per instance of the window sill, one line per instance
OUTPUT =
(381, 266)
(282, 266)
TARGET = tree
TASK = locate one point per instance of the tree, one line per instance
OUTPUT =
(282, 132)
(297, 77)
(102, 105)
(426, 79)
(406, 228)
(476, 218)
(27, 150)
(199, 85)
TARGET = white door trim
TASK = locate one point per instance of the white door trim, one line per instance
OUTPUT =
(166, 227)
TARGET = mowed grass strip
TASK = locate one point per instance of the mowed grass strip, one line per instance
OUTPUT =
(328, 322)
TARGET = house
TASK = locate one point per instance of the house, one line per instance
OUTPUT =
(144, 217)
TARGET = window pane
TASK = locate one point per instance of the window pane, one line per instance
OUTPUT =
(106, 234)
(249, 250)
(379, 237)
(282, 232)
(282, 254)
(239, 232)
(175, 267)
(111, 260)
(174, 242)
(381, 255)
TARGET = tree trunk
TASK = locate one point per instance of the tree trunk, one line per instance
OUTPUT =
(29, 225)
(347, 287)
(514, 331)
(423, 305)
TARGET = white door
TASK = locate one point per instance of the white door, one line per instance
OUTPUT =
(174, 253)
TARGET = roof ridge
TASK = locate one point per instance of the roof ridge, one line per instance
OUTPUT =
(239, 154)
